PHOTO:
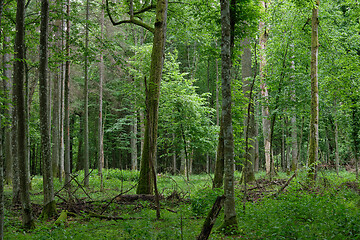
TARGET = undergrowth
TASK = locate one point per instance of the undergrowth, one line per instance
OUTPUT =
(328, 210)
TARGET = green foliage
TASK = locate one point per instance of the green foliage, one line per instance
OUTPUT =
(123, 175)
(203, 200)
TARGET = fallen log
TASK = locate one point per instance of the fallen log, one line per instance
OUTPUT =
(211, 218)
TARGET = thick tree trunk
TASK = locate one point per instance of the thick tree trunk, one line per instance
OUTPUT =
(146, 180)
(249, 123)
(264, 92)
(230, 221)
(314, 120)
(19, 70)
(49, 203)
(7, 112)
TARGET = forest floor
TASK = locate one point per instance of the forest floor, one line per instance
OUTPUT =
(265, 209)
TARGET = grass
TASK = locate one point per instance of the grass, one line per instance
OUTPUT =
(330, 210)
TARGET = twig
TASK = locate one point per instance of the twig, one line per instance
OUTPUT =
(284, 186)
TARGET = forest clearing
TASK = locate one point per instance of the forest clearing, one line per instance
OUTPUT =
(192, 119)
(331, 210)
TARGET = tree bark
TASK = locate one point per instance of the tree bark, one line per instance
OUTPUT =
(219, 164)
(19, 70)
(337, 159)
(146, 180)
(49, 203)
(314, 120)
(264, 92)
(249, 121)
(66, 102)
(230, 221)
(7, 112)
(86, 107)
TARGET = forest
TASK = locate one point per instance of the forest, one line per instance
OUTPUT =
(191, 119)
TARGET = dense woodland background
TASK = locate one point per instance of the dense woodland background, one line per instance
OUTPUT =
(98, 80)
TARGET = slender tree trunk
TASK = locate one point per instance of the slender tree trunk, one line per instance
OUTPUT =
(56, 100)
(66, 102)
(133, 143)
(248, 170)
(1, 170)
(19, 67)
(314, 120)
(2, 156)
(264, 92)
(86, 107)
(219, 164)
(230, 221)
(7, 112)
(49, 203)
(14, 151)
(337, 159)
(146, 180)
(174, 155)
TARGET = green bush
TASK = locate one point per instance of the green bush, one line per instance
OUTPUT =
(203, 200)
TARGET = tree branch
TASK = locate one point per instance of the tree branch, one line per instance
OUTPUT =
(132, 20)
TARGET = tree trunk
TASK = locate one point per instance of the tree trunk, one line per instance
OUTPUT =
(264, 91)
(249, 129)
(230, 221)
(7, 112)
(19, 67)
(1, 170)
(86, 107)
(133, 143)
(337, 159)
(49, 209)
(219, 164)
(314, 120)
(146, 180)
(67, 103)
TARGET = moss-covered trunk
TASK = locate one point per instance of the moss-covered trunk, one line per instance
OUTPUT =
(314, 119)
(146, 181)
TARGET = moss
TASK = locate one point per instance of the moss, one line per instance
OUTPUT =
(229, 227)
(48, 211)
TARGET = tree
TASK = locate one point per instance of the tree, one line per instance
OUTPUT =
(86, 104)
(19, 67)
(66, 102)
(101, 79)
(264, 91)
(230, 221)
(248, 170)
(314, 120)
(49, 202)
